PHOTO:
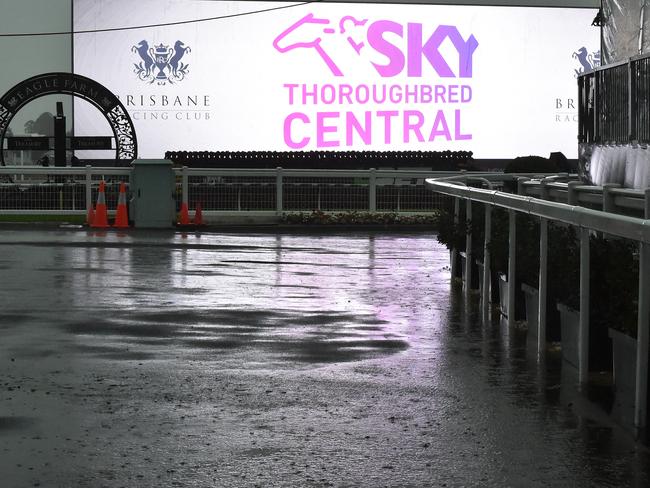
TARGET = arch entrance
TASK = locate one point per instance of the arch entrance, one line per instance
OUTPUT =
(126, 145)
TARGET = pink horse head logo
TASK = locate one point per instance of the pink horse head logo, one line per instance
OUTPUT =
(308, 33)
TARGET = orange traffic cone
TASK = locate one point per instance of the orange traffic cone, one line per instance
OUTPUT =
(101, 216)
(184, 216)
(198, 215)
(121, 217)
(90, 216)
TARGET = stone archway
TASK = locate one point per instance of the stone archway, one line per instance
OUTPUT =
(126, 145)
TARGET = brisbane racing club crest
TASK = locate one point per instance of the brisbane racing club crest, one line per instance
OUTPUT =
(161, 64)
(587, 60)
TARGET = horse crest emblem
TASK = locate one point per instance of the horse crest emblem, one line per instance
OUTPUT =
(587, 60)
(161, 64)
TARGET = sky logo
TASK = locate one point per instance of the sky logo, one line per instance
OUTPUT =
(311, 32)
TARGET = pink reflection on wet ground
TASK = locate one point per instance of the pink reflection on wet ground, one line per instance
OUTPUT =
(161, 359)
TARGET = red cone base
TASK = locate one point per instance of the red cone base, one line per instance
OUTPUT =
(122, 217)
(90, 216)
(101, 215)
(184, 218)
(198, 215)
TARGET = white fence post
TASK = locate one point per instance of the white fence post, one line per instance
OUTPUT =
(89, 188)
(372, 190)
(184, 185)
(278, 191)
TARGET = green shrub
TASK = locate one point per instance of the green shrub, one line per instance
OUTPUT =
(318, 217)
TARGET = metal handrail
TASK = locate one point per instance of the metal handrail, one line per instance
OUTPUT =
(60, 170)
(620, 225)
(637, 229)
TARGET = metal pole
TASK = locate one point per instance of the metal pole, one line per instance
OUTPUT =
(468, 247)
(643, 335)
(89, 188)
(454, 251)
(608, 197)
(372, 190)
(486, 263)
(543, 277)
(572, 196)
(583, 335)
(399, 191)
(278, 191)
(543, 286)
(512, 262)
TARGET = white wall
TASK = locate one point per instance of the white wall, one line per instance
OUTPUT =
(25, 56)
(28, 55)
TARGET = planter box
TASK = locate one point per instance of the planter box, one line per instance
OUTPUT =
(503, 294)
(451, 264)
(475, 271)
(531, 296)
(463, 264)
(569, 331)
(624, 362)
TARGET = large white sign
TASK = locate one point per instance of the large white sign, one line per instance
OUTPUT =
(498, 81)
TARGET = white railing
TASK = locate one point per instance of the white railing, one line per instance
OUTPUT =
(59, 191)
(69, 191)
(535, 197)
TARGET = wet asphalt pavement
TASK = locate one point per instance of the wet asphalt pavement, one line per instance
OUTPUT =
(155, 359)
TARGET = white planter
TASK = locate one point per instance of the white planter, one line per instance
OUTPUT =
(531, 296)
(570, 328)
(476, 283)
(503, 294)
(624, 365)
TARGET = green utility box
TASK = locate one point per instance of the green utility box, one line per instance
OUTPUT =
(153, 185)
